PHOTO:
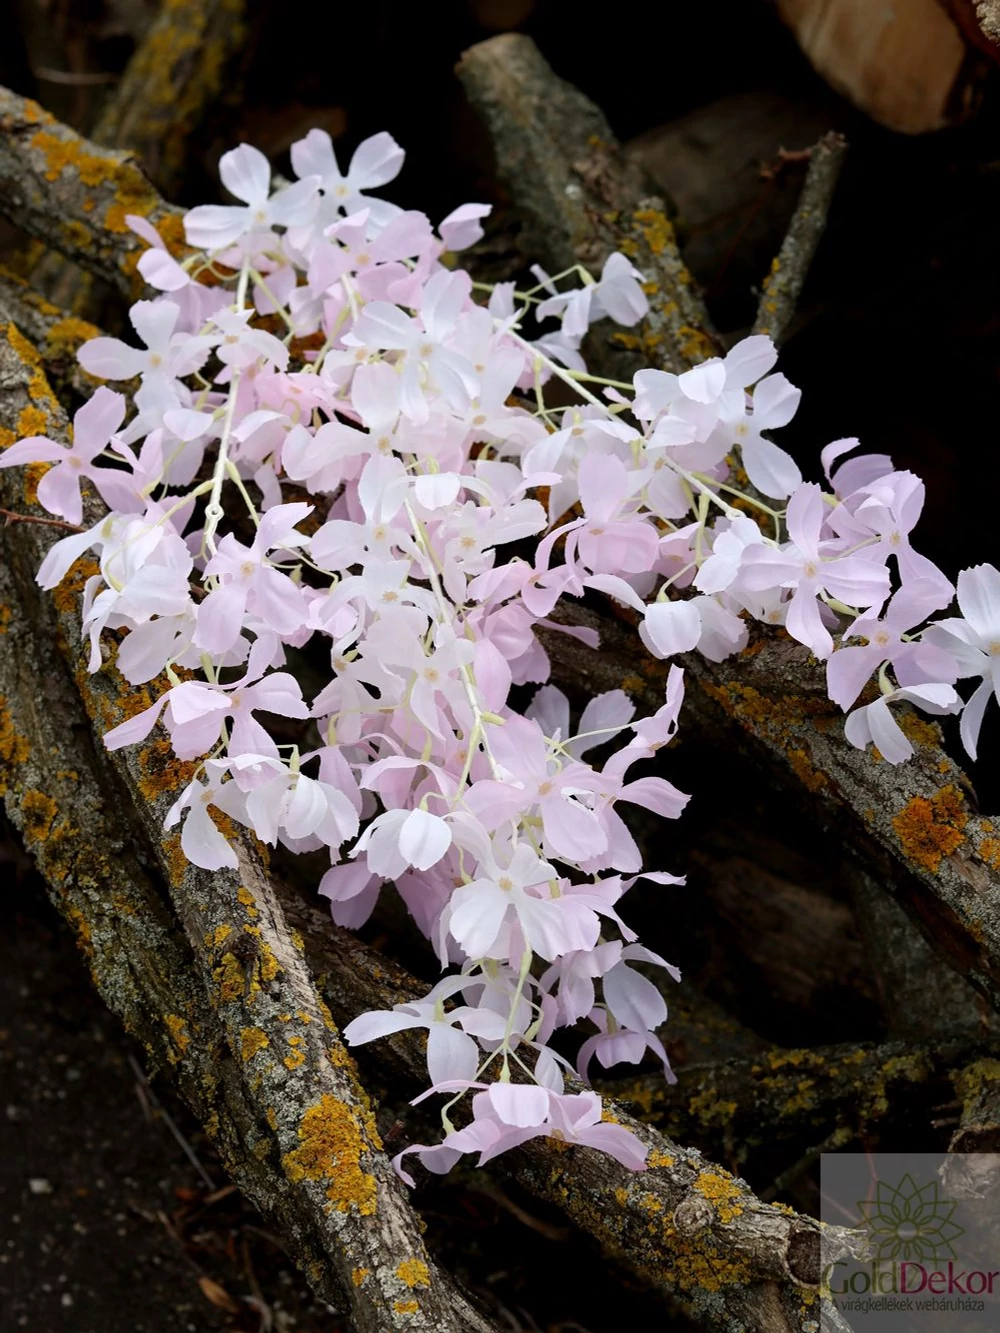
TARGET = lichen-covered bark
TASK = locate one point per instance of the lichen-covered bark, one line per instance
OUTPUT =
(231, 992)
(579, 196)
(826, 1094)
(783, 285)
(988, 13)
(56, 334)
(175, 75)
(74, 196)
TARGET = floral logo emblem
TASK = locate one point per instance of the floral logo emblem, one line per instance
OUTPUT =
(910, 1221)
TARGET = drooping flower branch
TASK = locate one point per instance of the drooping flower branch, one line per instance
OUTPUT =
(334, 353)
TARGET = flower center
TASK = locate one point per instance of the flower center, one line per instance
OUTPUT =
(506, 883)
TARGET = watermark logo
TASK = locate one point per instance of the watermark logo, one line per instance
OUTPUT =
(909, 1243)
(910, 1221)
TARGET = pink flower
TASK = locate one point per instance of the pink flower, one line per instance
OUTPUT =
(376, 161)
(508, 1114)
(246, 173)
(874, 723)
(974, 641)
(168, 354)
(533, 780)
(551, 922)
(803, 566)
(247, 582)
(452, 1054)
(94, 427)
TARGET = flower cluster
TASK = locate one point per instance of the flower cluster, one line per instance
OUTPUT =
(400, 495)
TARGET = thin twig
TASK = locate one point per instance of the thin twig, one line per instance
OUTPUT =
(9, 516)
(783, 285)
(189, 1152)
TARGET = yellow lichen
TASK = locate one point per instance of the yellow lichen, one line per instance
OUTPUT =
(414, 1272)
(297, 1055)
(38, 812)
(179, 1038)
(330, 1148)
(252, 1040)
(245, 897)
(929, 830)
(33, 473)
(161, 771)
(721, 1190)
(657, 1158)
(358, 1275)
(406, 1307)
(14, 748)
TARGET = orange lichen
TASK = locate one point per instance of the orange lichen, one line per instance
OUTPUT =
(66, 335)
(32, 421)
(929, 830)
(922, 733)
(245, 897)
(989, 850)
(179, 1038)
(38, 812)
(252, 1040)
(60, 153)
(64, 596)
(33, 473)
(721, 1190)
(161, 771)
(297, 1055)
(358, 1275)
(330, 1148)
(414, 1272)
(406, 1307)
(657, 1158)
(14, 747)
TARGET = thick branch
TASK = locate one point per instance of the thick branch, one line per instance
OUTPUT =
(579, 196)
(74, 196)
(783, 285)
(56, 334)
(170, 82)
(832, 1094)
(231, 993)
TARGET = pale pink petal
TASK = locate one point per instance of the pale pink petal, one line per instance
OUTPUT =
(423, 839)
(519, 1104)
(451, 1055)
(135, 729)
(246, 174)
(376, 161)
(111, 359)
(670, 627)
(979, 599)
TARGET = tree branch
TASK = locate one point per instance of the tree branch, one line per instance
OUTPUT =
(174, 76)
(782, 287)
(74, 196)
(579, 197)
